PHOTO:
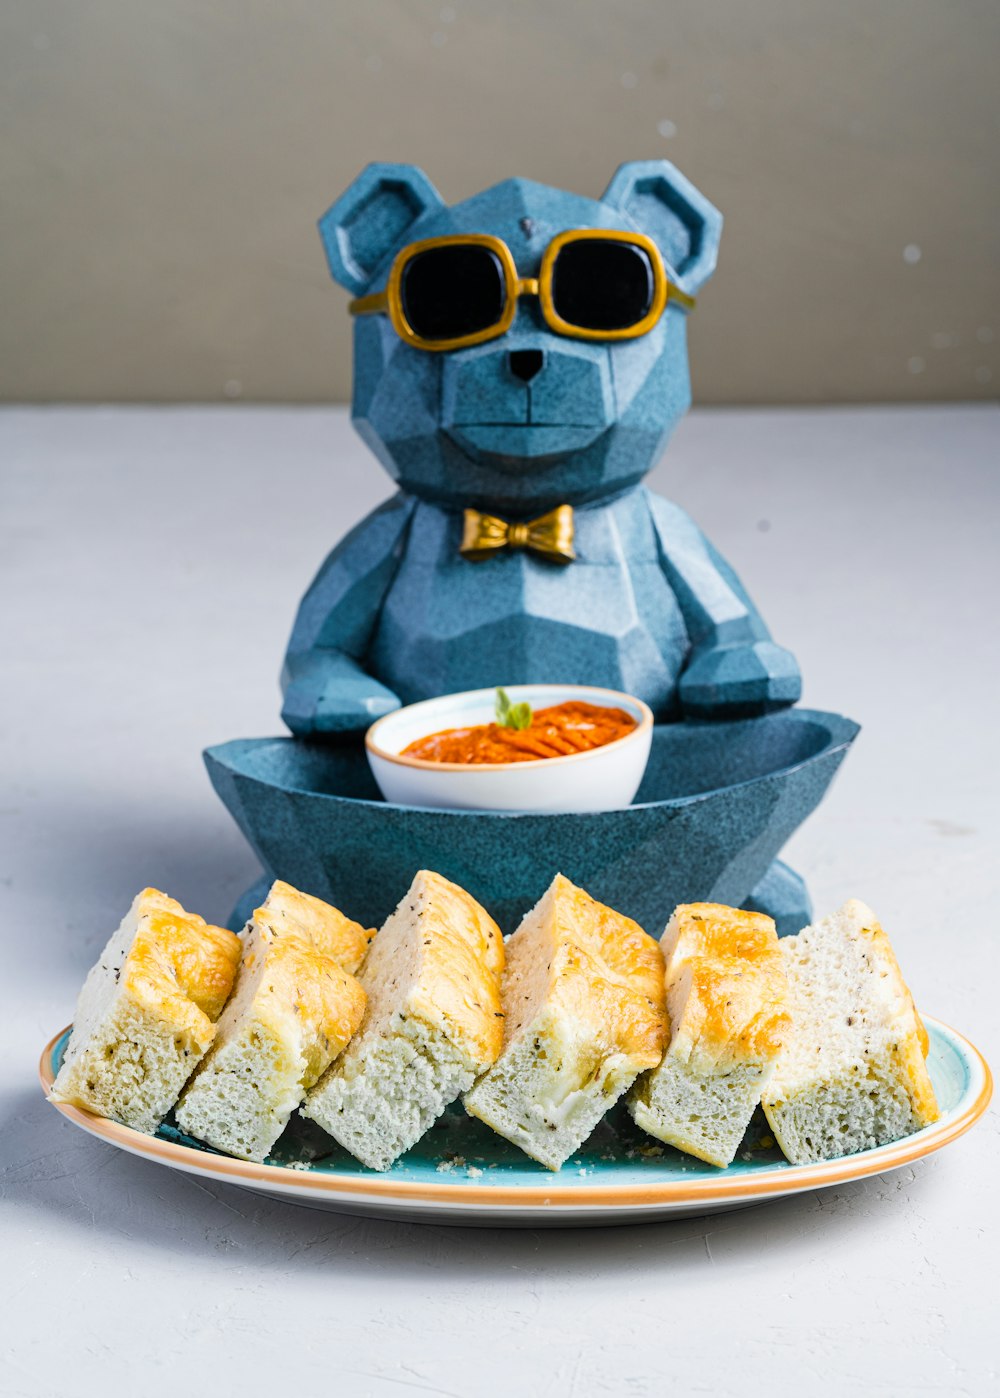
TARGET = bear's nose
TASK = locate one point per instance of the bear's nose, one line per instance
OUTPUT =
(525, 364)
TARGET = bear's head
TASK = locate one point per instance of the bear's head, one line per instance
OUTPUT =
(531, 418)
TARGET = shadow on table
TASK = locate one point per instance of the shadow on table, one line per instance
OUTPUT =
(49, 1166)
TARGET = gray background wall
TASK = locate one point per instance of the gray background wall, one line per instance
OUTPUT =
(162, 167)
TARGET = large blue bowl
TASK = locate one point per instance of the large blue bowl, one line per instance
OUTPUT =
(716, 805)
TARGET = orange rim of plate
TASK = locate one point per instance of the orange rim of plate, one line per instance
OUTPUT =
(778, 1182)
(422, 763)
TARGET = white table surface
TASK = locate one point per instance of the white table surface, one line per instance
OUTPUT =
(152, 560)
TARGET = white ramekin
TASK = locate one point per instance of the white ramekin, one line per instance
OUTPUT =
(603, 779)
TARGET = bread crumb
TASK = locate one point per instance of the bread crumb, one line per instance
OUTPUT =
(299, 1164)
(473, 1172)
(649, 1151)
(444, 1166)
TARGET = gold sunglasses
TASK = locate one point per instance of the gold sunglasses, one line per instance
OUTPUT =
(448, 293)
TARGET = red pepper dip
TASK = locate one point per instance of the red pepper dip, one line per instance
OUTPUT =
(558, 731)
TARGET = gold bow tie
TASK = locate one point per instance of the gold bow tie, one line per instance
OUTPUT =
(551, 535)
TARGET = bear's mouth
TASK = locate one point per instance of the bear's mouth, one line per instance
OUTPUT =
(516, 447)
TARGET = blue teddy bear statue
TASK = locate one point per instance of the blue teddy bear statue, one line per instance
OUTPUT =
(520, 360)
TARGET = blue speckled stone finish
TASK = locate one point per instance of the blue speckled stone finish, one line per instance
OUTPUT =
(396, 614)
(716, 805)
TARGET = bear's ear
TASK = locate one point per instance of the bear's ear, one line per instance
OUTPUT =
(371, 217)
(683, 224)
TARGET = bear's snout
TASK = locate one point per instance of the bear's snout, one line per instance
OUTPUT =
(526, 401)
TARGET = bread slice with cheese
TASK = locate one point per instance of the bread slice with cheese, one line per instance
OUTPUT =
(726, 1006)
(583, 1001)
(147, 1011)
(852, 1073)
(432, 1024)
(294, 1009)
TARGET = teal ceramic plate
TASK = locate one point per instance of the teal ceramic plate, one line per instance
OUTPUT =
(464, 1174)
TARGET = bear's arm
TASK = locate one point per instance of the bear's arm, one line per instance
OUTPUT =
(325, 686)
(733, 669)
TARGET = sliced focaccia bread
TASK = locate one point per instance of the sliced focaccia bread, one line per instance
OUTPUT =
(852, 1073)
(433, 1022)
(325, 926)
(147, 1012)
(293, 1010)
(726, 1006)
(583, 1001)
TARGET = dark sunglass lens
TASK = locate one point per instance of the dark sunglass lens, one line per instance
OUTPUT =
(453, 291)
(600, 285)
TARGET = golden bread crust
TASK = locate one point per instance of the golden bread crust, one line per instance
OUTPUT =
(325, 926)
(304, 984)
(606, 973)
(913, 1043)
(461, 962)
(180, 969)
(731, 967)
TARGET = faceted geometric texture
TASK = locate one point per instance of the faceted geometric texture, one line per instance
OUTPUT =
(716, 805)
(396, 614)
